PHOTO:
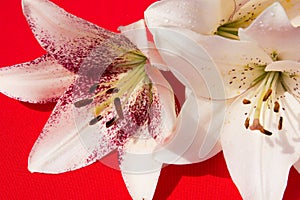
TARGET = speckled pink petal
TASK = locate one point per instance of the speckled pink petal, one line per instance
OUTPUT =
(68, 38)
(66, 143)
(38, 81)
(162, 111)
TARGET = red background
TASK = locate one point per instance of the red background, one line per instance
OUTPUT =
(21, 124)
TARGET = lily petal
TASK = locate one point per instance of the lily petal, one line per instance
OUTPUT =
(237, 61)
(138, 34)
(259, 164)
(139, 170)
(68, 38)
(250, 10)
(162, 112)
(67, 142)
(273, 31)
(187, 14)
(39, 81)
(194, 134)
(189, 61)
(290, 75)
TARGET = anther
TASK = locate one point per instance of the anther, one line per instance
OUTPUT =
(276, 107)
(280, 123)
(247, 122)
(118, 107)
(266, 132)
(246, 101)
(110, 122)
(267, 95)
(94, 88)
(112, 91)
(83, 102)
(95, 120)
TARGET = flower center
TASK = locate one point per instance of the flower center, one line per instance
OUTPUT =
(122, 81)
(230, 29)
(264, 98)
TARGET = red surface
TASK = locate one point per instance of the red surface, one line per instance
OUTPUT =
(21, 123)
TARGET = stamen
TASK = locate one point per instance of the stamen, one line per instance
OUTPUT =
(276, 107)
(246, 101)
(112, 91)
(95, 120)
(247, 122)
(280, 123)
(118, 107)
(111, 122)
(266, 132)
(257, 126)
(267, 95)
(94, 88)
(83, 102)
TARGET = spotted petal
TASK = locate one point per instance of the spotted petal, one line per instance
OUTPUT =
(139, 169)
(65, 144)
(273, 31)
(41, 80)
(68, 38)
(186, 14)
(239, 62)
(259, 164)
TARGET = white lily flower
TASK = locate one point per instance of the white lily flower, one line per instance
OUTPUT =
(260, 137)
(210, 17)
(109, 97)
(175, 26)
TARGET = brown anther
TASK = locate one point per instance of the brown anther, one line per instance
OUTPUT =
(276, 107)
(246, 101)
(112, 91)
(266, 132)
(280, 123)
(95, 120)
(118, 107)
(247, 122)
(83, 102)
(267, 95)
(110, 122)
(94, 88)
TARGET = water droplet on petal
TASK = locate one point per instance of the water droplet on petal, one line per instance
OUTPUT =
(166, 20)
